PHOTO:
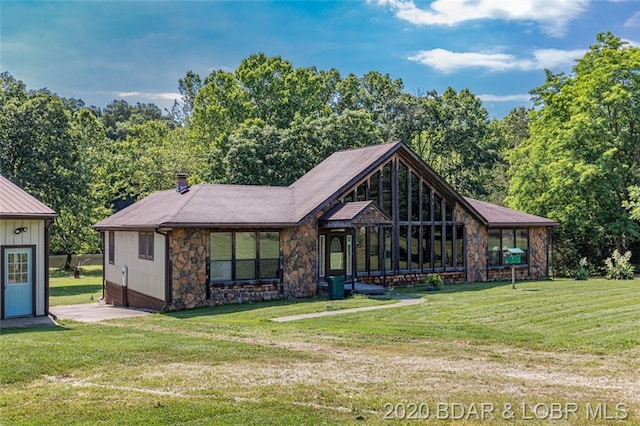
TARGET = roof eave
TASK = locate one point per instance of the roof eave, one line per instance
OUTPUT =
(522, 224)
(28, 215)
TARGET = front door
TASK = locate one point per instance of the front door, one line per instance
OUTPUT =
(336, 255)
(17, 282)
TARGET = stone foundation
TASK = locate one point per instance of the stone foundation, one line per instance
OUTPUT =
(522, 273)
(223, 294)
(412, 279)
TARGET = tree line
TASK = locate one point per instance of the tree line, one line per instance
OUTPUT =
(574, 157)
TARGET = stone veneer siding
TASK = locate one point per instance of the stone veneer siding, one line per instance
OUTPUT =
(189, 254)
(412, 279)
(539, 253)
(476, 246)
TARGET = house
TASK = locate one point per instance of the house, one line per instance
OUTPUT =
(377, 215)
(24, 250)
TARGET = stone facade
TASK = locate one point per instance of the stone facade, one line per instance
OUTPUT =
(189, 255)
(504, 273)
(538, 253)
(224, 294)
(476, 244)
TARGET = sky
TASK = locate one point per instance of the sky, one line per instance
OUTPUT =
(99, 51)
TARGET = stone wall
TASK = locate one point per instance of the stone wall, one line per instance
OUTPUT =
(411, 279)
(538, 253)
(504, 273)
(224, 294)
(188, 249)
(476, 245)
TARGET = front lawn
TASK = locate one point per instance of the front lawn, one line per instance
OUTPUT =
(571, 343)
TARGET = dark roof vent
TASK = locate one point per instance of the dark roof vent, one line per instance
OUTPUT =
(182, 184)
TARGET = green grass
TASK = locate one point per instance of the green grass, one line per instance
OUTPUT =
(547, 342)
(64, 289)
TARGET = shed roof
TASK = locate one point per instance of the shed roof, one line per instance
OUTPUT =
(16, 202)
(498, 216)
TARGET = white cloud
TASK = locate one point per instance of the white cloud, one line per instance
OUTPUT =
(634, 21)
(631, 42)
(149, 95)
(447, 61)
(524, 97)
(553, 15)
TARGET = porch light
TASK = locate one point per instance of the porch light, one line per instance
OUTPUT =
(20, 230)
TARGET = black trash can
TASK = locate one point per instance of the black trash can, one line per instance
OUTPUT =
(336, 287)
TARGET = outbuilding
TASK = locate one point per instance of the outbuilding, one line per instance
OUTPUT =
(24, 252)
(377, 215)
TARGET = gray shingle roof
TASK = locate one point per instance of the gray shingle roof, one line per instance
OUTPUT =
(268, 206)
(498, 216)
(16, 202)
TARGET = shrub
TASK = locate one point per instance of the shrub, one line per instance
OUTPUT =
(582, 273)
(619, 267)
(433, 282)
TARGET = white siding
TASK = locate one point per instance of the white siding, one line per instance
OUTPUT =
(33, 236)
(144, 276)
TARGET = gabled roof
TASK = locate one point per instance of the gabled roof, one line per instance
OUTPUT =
(268, 206)
(356, 213)
(497, 216)
(16, 202)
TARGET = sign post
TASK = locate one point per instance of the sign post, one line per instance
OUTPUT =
(512, 257)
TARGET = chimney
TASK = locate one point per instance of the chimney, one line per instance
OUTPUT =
(182, 185)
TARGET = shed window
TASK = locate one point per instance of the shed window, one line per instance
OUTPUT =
(112, 247)
(145, 245)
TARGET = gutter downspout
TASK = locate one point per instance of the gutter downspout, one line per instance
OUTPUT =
(168, 296)
(104, 267)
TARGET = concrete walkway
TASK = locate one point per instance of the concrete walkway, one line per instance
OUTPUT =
(26, 322)
(399, 304)
(94, 312)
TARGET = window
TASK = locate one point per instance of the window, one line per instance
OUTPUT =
(374, 249)
(349, 255)
(502, 239)
(239, 256)
(426, 248)
(374, 188)
(437, 247)
(460, 245)
(361, 250)
(403, 248)
(386, 190)
(415, 248)
(426, 203)
(415, 198)
(221, 259)
(321, 257)
(269, 255)
(448, 246)
(112, 247)
(245, 255)
(403, 193)
(145, 245)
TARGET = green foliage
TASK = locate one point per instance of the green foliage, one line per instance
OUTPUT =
(619, 267)
(582, 273)
(582, 155)
(433, 282)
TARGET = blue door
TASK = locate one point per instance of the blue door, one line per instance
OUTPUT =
(18, 282)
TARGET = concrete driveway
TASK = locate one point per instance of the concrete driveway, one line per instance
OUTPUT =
(94, 312)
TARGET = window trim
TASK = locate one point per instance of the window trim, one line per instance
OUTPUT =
(146, 243)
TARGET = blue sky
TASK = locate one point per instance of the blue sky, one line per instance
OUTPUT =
(137, 50)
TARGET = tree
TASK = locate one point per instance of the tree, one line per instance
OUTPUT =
(582, 155)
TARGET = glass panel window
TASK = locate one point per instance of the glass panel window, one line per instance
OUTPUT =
(361, 192)
(415, 198)
(460, 245)
(374, 189)
(522, 242)
(374, 249)
(448, 212)
(448, 244)
(349, 254)
(386, 190)
(495, 248)
(415, 248)
(426, 203)
(508, 238)
(388, 249)
(220, 249)
(403, 193)
(336, 254)
(437, 247)
(245, 255)
(437, 208)
(361, 250)
(321, 258)
(403, 248)
(269, 255)
(426, 248)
